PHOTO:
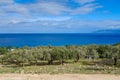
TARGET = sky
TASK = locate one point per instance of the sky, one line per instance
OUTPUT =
(58, 16)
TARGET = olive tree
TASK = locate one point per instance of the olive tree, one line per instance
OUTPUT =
(115, 53)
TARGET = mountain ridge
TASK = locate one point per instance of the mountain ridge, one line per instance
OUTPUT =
(108, 31)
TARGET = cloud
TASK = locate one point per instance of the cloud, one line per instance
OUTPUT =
(113, 24)
(70, 25)
(16, 20)
(6, 2)
(85, 9)
(57, 9)
(52, 8)
(13, 12)
(48, 7)
(60, 1)
(15, 8)
(49, 16)
(85, 1)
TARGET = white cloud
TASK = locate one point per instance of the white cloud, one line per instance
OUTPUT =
(57, 8)
(6, 1)
(85, 1)
(62, 18)
(48, 7)
(15, 8)
(52, 8)
(17, 16)
(16, 20)
(61, 26)
(2, 13)
(59, 1)
(112, 24)
(85, 9)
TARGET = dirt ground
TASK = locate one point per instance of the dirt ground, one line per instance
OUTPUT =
(59, 77)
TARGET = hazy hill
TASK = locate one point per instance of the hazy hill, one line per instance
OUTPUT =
(108, 31)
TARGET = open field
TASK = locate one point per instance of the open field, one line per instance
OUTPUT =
(59, 77)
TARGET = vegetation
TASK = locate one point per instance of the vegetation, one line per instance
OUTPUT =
(74, 59)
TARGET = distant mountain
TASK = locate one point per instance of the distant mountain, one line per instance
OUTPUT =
(108, 31)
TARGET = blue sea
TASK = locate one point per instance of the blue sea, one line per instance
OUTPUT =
(20, 40)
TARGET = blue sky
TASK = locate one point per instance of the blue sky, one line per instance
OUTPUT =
(58, 16)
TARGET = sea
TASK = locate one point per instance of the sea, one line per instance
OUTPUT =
(57, 39)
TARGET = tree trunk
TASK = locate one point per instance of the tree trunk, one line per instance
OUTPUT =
(115, 61)
(61, 62)
(36, 62)
(50, 62)
(2, 61)
(77, 58)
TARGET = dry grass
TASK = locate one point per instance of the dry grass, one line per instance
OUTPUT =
(82, 67)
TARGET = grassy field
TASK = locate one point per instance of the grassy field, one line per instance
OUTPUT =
(82, 67)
